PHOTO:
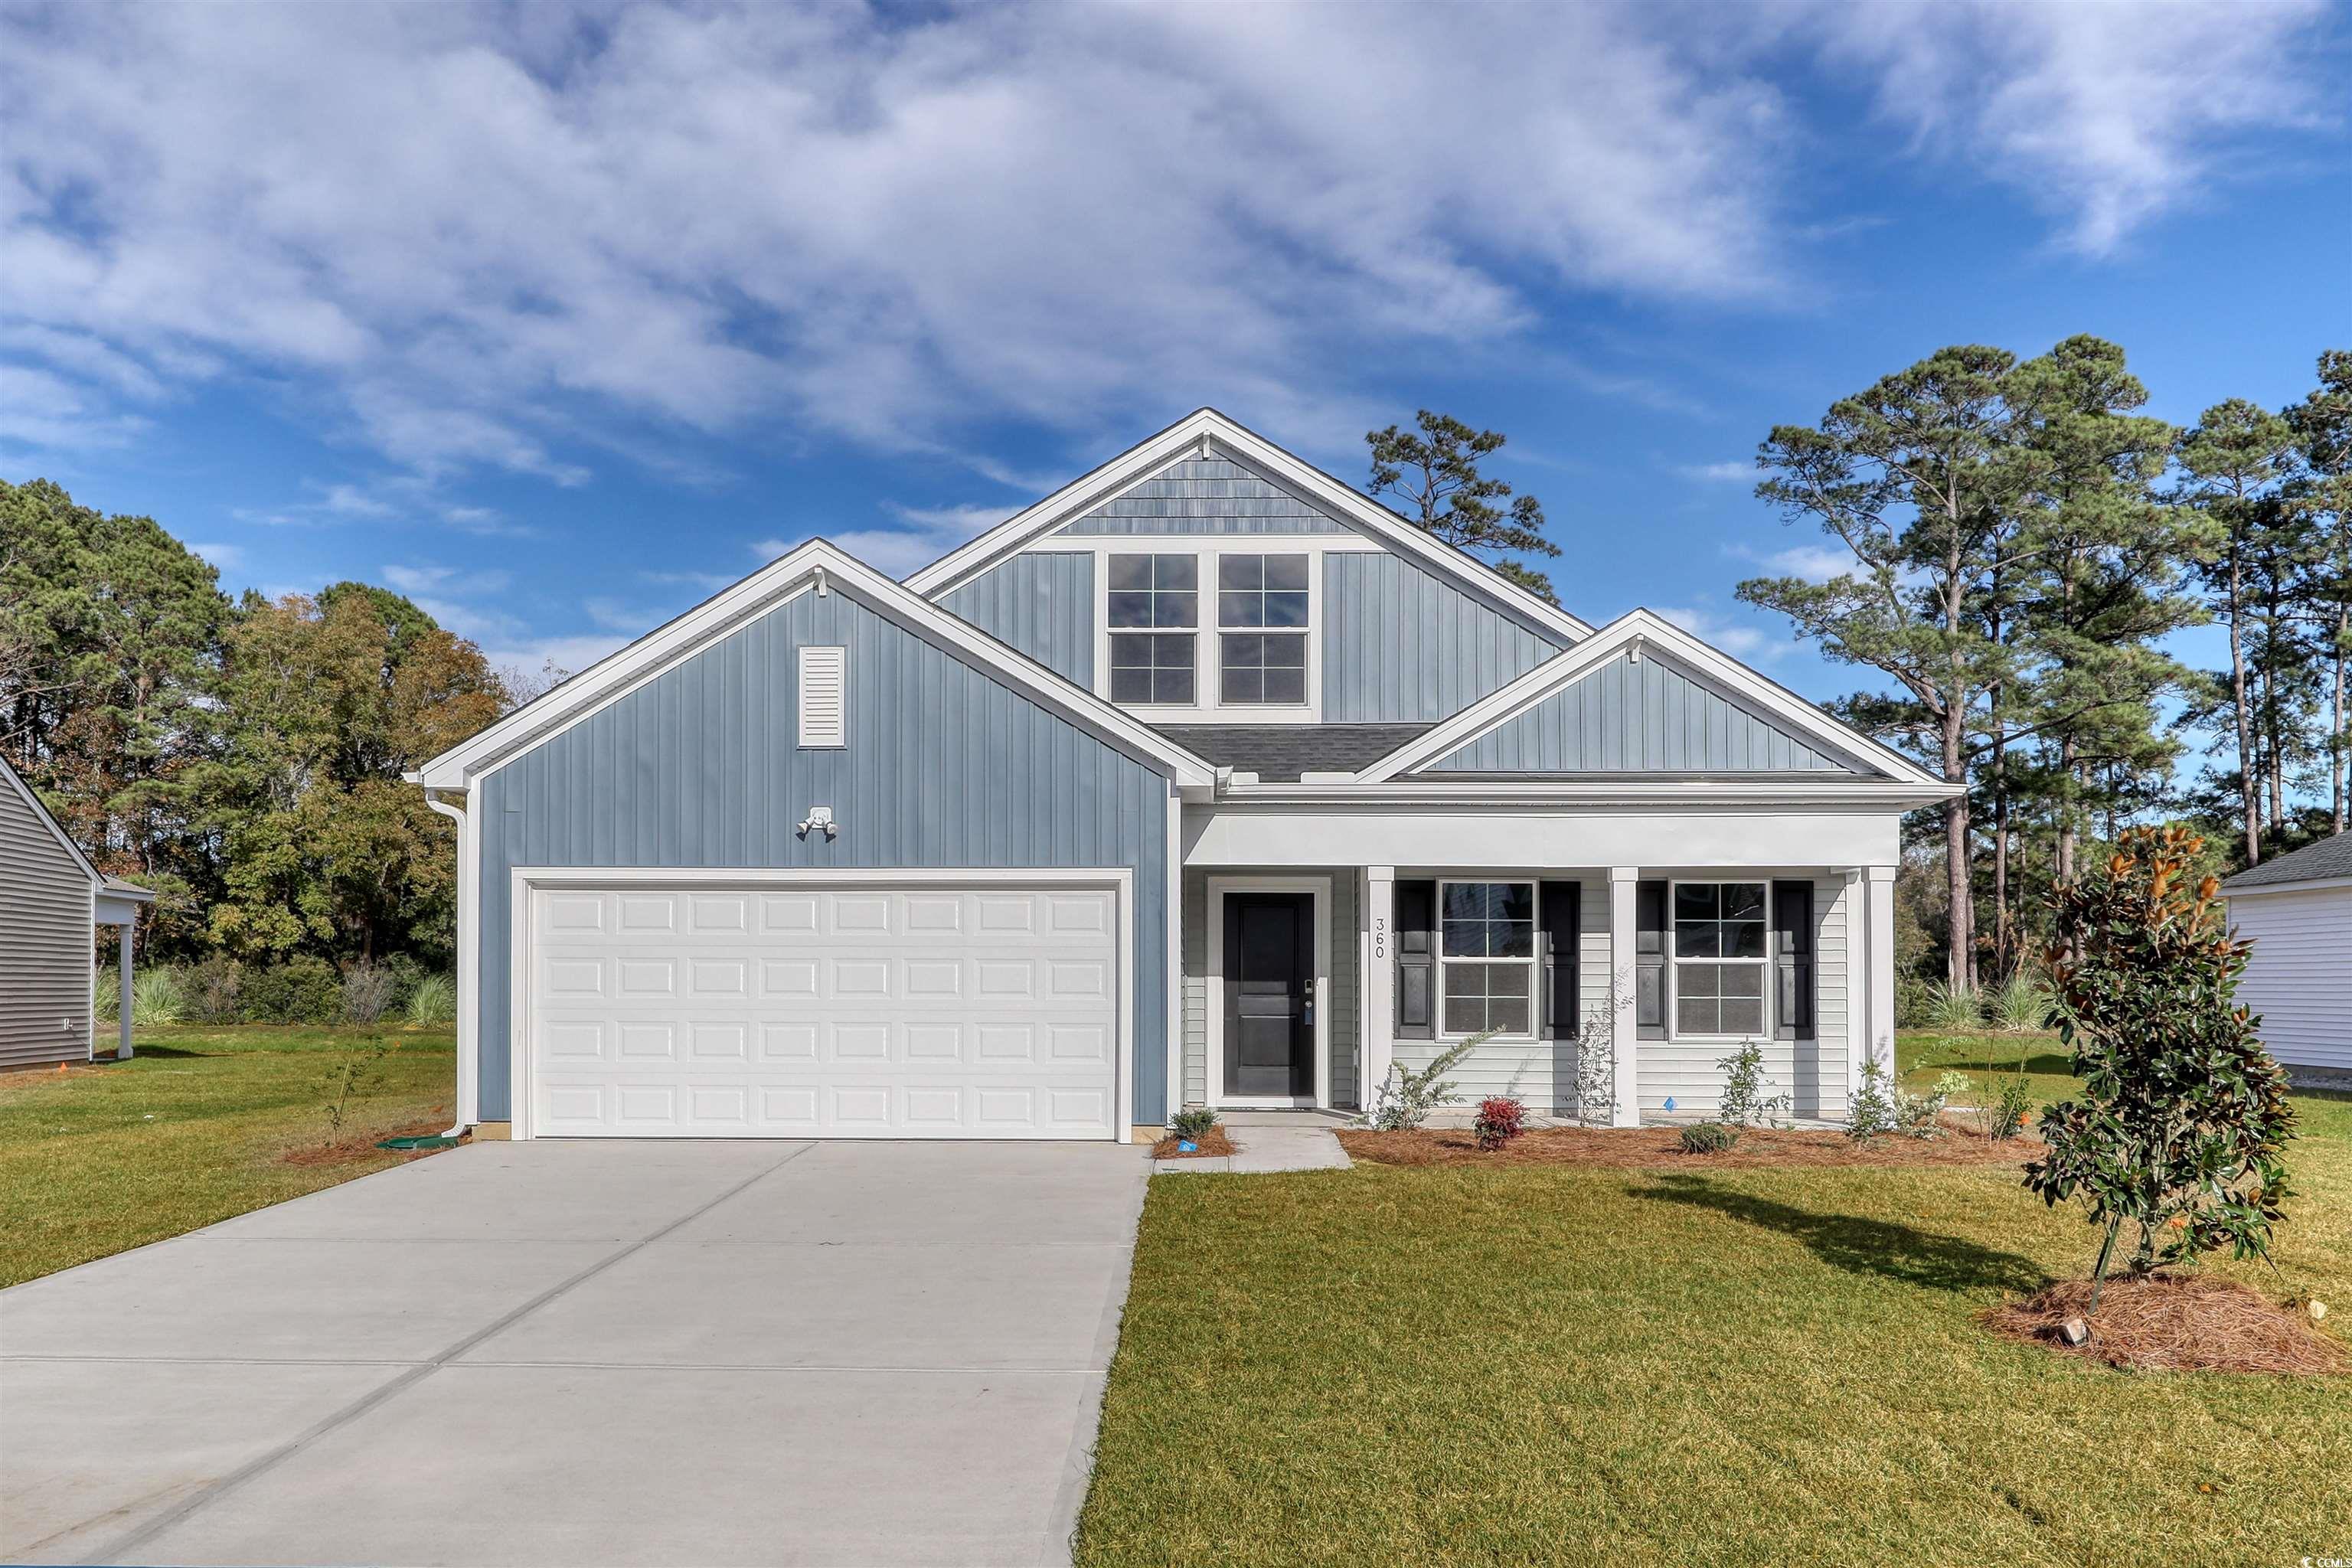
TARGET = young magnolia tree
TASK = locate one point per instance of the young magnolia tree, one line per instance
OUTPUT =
(2183, 1115)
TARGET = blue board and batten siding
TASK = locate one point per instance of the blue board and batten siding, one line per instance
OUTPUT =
(945, 767)
(1198, 496)
(1643, 716)
(1401, 645)
(1041, 602)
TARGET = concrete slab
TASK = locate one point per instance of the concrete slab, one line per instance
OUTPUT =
(824, 1304)
(93, 1450)
(584, 1190)
(1264, 1149)
(512, 1465)
(212, 1298)
(322, 1384)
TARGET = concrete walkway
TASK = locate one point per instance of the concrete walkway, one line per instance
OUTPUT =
(1270, 1141)
(608, 1352)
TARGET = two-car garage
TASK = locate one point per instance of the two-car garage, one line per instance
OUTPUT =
(804, 1004)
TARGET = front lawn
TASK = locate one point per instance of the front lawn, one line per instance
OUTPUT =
(1561, 1364)
(196, 1127)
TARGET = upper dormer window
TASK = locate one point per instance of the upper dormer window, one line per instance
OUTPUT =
(1260, 660)
(1155, 607)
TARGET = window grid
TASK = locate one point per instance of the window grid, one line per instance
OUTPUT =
(1258, 666)
(1486, 948)
(1148, 595)
(1721, 949)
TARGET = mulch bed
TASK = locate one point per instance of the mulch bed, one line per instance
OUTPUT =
(2175, 1323)
(1213, 1144)
(363, 1147)
(1660, 1149)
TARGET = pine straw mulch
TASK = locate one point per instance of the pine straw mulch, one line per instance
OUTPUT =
(2175, 1323)
(1660, 1149)
(1213, 1144)
(363, 1147)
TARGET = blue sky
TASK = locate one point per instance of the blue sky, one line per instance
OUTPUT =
(558, 319)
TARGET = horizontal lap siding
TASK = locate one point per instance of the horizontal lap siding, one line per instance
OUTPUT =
(1042, 602)
(46, 935)
(1403, 644)
(945, 767)
(2300, 976)
(1345, 997)
(1813, 1073)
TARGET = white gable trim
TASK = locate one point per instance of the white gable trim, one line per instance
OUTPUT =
(56, 831)
(1633, 630)
(818, 566)
(1202, 433)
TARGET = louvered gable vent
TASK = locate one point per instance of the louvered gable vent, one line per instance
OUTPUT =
(824, 682)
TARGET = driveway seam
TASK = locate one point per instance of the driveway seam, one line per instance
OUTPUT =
(254, 1468)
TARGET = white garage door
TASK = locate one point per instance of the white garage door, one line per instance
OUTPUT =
(843, 1011)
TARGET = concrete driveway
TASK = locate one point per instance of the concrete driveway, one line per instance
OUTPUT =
(608, 1352)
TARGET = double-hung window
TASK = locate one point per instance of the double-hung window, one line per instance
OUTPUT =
(1262, 620)
(1720, 957)
(1155, 611)
(1487, 951)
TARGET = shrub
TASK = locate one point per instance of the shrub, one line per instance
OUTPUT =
(1193, 1122)
(1710, 1138)
(106, 996)
(1744, 1102)
(351, 1072)
(1499, 1119)
(2021, 1004)
(1914, 999)
(298, 991)
(1874, 1112)
(2005, 1118)
(2183, 1118)
(156, 996)
(1595, 1066)
(1954, 1009)
(367, 992)
(433, 1002)
(1922, 1115)
(1406, 1098)
(214, 990)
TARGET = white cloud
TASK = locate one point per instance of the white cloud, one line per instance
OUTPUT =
(1814, 562)
(420, 579)
(569, 653)
(2106, 116)
(1739, 638)
(228, 557)
(930, 532)
(707, 582)
(1717, 473)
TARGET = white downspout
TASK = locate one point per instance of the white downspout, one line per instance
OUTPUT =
(469, 1070)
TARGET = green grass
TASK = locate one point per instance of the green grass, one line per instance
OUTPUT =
(191, 1131)
(1986, 1055)
(1538, 1365)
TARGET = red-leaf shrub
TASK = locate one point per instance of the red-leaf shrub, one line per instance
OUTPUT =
(1500, 1119)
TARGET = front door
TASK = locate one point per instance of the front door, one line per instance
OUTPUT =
(1269, 996)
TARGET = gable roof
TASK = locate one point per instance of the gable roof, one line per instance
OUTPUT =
(41, 814)
(1206, 435)
(1280, 753)
(1631, 634)
(822, 566)
(2329, 860)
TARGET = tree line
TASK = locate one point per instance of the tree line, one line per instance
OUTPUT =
(242, 758)
(2022, 539)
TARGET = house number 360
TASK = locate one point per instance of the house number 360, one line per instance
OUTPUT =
(1380, 936)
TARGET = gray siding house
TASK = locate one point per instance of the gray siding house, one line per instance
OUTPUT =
(1203, 780)
(51, 897)
(2297, 910)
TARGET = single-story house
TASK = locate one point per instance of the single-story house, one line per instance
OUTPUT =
(1205, 779)
(2298, 910)
(51, 897)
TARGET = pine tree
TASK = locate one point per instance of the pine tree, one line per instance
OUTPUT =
(1436, 476)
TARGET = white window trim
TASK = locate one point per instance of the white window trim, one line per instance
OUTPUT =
(1214, 1079)
(1674, 962)
(1535, 990)
(1206, 707)
(1213, 659)
(814, 737)
(1109, 635)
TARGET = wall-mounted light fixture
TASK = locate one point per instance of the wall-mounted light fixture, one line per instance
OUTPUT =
(818, 820)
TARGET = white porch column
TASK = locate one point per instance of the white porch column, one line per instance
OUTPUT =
(1857, 894)
(1378, 978)
(1879, 961)
(122, 966)
(1623, 970)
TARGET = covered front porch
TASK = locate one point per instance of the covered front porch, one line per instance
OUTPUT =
(1609, 989)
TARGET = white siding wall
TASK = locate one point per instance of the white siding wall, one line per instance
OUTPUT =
(46, 954)
(1811, 1072)
(2300, 977)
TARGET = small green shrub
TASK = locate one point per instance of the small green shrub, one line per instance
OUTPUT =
(1913, 1002)
(2021, 1004)
(1873, 1113)
(214, 990)
(350, 1073)
(1710, 1138)
(156, 996)
(1193, 1122)
(298, 991)
(2013, 1103)
(1744, 1102)
(106, 996)
(433, 1002)
(1406, 1100)
(1954, 1009)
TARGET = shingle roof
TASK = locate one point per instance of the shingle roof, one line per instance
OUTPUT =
(2312, 863)
(1279, 753)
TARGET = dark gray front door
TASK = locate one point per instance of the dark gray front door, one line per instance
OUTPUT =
(1269, 996)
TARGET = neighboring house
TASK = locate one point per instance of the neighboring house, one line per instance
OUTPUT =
(2298, 910)
(50, 899)
(1204, 779)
